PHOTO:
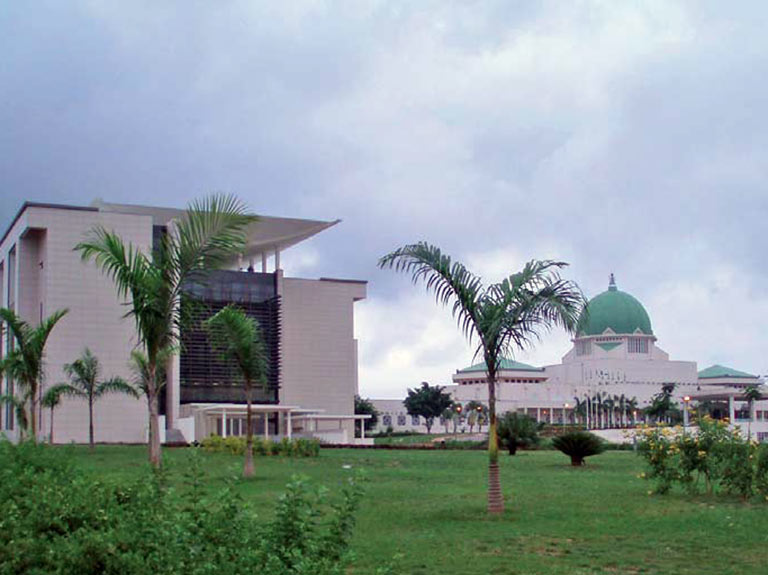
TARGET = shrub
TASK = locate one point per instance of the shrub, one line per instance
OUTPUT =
(235, 445)
(57, 519)
(516, 430)
(714, 452)
(578, 445)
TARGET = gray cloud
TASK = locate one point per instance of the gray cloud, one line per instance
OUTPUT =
(626, 138)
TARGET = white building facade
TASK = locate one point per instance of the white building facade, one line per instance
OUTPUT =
(308, 325)
(612, 372)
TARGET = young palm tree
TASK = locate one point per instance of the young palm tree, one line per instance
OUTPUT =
(207, 236)
(238, 337)
(84, 382)
(24, 363)
(501, 317)
(51, 400)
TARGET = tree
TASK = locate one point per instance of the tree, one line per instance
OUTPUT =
(51, 400)
(475, 414)
(662, 406)
(578, 445)
(447, 417)
(427, 401)
(24, 363)
(631, 406)
(366, 407)
(499, 318)
(209, 234)
(84, 383)
(751, 394)
(517, 430)
(238, 337)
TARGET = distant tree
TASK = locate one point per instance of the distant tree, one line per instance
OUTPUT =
(366, 407)
(51, 400)
(427, 401)
(630, 406)
(662, 407)
(447, 417)
(24, 364)
(517, 430)
(238, 337)
(752, 394)
(476, 414)
(84, 382)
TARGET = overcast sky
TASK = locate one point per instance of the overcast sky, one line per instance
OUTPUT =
(626, 137)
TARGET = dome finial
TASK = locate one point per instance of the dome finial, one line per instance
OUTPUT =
(612, 283)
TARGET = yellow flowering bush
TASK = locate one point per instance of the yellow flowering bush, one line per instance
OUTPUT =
(715, 453)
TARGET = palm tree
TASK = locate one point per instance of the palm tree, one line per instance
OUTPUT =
(631, 408)
(207, 236)
(24, 363)
(579, 409)
(751, 394)
(500, 317)
(238, 338)
(51, 400)
(609, 405)
(84, 382)
(474, 409)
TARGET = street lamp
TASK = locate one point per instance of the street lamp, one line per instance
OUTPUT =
(565, 413)
(686, 400)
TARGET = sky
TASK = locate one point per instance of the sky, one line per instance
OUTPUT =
(624, 137)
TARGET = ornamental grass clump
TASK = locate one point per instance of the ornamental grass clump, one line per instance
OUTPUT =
(578, 445)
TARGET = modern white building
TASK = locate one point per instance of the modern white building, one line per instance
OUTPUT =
(308, 326)
(615, 361)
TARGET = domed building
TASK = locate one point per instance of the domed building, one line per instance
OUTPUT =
(614, 358)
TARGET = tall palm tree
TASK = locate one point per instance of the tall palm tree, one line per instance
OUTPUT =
(631, 408)
(84, 382)
(51, 400)
(24, 363)
(579, 408)
(501, 317)
(238, 337)
(209, 234)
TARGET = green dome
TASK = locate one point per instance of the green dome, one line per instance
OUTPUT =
(616, 310)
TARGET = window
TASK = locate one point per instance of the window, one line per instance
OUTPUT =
(401, 420)
(637, 345)
(414, 420)
(583, 347)
(386, 420)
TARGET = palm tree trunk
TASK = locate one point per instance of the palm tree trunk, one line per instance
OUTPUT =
(248, 468)
(495, 497)
(33, 413)
(154, 420)
(91, 442)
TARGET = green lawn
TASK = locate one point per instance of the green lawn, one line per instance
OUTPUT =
(428, 507)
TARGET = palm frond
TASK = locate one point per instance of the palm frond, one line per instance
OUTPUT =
(237, 336)
(52, 396)
(19, 407)
(447, 279)
(115, 385)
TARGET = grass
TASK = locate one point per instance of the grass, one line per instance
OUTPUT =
(424, 511)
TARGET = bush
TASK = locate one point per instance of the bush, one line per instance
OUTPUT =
(578, 445)
(516, 430)
(57, 519)
(235, 445)
(715, 453)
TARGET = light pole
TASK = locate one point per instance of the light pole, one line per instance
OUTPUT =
(686, 401)
(565, 413)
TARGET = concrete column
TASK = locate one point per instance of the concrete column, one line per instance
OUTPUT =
(277, 260)
(266, 426)
(731, 410)
(263, 262)
(288, 424)
(223, 422)
(362, 429)
(172, 391)
(538, 414)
